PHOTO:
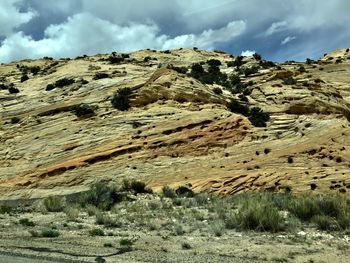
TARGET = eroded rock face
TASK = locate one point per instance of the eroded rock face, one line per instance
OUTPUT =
(178, 130)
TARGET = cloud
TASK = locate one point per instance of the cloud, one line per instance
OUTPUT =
(11, 17)
(26, 27)
(248, 53)
(276, 27)
(287, 40)
(87, 34)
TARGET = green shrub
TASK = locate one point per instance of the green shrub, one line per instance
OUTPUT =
(217, 227)
(72, 213)
(24, 78)
(186, 245)
(96, 232)
(257, 117)
(54, 204)
(168, 192)
(257, 56)
(289, 81)
(100, 75)
(50, 232)
(26, 222)
(4, 209)
(184, 191)
(236, 107)
(217, 91)
(126, 242)
(84, 110)
(257, 213)
(137, 187)
(324, 222)
(63, 82)
(182, 70)
(247, 71)
(106, 220)
(13, 90)
(15, 120)
(102, 196)
(120, 99)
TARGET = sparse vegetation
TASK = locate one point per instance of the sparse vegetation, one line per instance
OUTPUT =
(96, 232)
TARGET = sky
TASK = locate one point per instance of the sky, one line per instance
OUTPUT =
(279, 30)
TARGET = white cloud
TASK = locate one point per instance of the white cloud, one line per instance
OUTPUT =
(287, 40)
(87, 34)
(248, 53)
(276, 27)
(11, 17)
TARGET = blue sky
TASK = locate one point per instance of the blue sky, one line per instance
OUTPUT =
(277, 29)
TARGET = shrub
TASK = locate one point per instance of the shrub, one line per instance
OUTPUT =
(186, 245)
(13, 90)
(182, 70)
(96, 232)
(179, 230)
(24, 78)
(4, 209)
(304, 207)
(247, 71)
(325, 222)
(135, 186)
(253, 215)
(214, 62)
(168, 192)
(50, 87)
(105, 219)
(26, 222)
(184, 191)
(72, 213)
(217, 91)
(217, 227)
(54, 204)
(102, 196)
(15, 120)
(100, 75)
(257, 56)
(63, 82)
(120, 99)
(257, 117)
(237, 107)
(267, 64)
(236, 63)
(289, 81)
(113, 59)
(126, 242)
(84, 110)
(50, 232)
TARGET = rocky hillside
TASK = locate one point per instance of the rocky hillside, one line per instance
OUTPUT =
(179, 117)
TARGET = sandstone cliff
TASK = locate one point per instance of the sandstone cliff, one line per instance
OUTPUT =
(178, 130)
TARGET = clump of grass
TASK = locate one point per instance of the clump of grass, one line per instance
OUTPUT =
(54, 204)
(72, 213)
(26, 222)
(106, 220)
(179, 229)
(324, 222)
(186, 245)
(96, 232)
(217, 227)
